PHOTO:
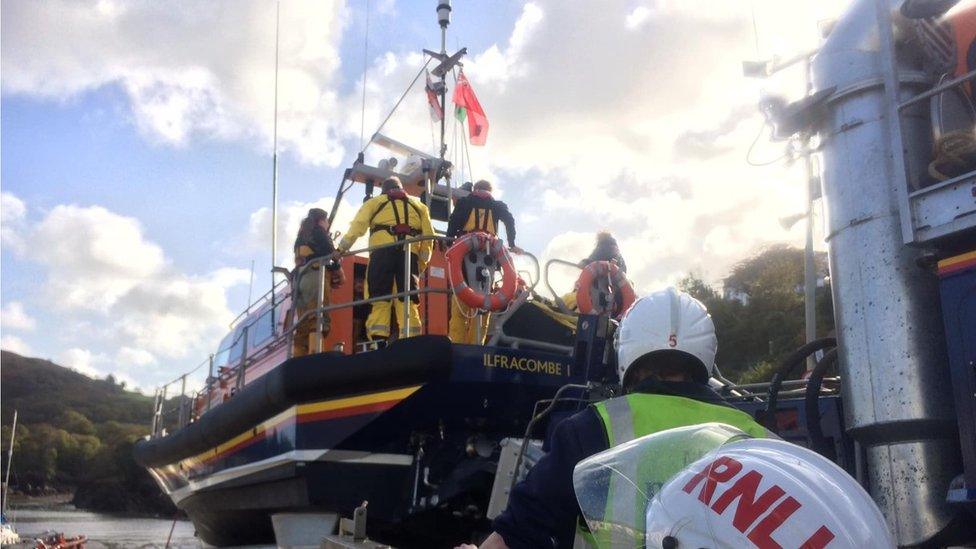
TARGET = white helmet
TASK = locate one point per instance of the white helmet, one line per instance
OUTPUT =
(667, 320)
(764, 493)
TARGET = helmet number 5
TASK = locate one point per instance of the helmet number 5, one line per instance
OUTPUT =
(673, 340)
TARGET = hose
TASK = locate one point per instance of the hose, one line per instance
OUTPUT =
(528, 428)
(955, 154)
(818, 442)
(784, 370)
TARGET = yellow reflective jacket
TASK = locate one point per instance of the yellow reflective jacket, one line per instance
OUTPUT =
(380, 213)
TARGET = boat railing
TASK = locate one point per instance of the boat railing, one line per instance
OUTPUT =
(182, 408)
(928, 211)
(170, 414)
(545, 277)
(259, 302)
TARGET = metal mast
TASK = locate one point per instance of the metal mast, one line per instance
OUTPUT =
(444, 19)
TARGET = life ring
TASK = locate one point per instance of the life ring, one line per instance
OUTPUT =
(474, 257)
(597, 289)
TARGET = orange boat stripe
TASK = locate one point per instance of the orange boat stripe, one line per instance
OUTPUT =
(957, 263)
(315, 411)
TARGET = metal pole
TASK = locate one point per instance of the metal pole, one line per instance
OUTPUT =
(10, 456)
(321, 315)
(183, 400)
(274, 163)
(809, 268)
(810, 281)
(406, 283)
(444, 20)
(210, 387)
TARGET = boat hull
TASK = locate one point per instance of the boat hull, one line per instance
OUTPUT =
(422, 452)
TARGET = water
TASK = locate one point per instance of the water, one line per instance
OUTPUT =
(105, 531)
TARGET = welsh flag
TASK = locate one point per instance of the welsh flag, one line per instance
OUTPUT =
(468, 107)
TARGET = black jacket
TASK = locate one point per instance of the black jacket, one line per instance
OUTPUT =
(542, 510)
(606, 252)
(320, 242)
(499, 212)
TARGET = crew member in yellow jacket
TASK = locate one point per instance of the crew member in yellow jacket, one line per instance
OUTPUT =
(393, 216)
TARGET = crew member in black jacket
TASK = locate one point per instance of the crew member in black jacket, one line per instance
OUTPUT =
(479, 211)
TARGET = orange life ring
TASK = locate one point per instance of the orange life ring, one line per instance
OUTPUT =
(617, 283)
(463, 258)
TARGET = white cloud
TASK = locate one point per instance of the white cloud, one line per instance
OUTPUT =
(81, 361)
(290, 215)
(95, 256)
(103, 274)
(12, 213)
(201, 70)
(13, 317)
(14, 344)
(637, 17)
(129, 356)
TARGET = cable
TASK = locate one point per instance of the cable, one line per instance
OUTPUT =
(528, 428)
(818, 442)
(785, 368)
(397, 105)
(753, 146)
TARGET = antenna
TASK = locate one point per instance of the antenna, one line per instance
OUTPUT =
(274, 164)
(444, 19)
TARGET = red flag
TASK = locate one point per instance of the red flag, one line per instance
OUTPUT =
(435, 105)
(469, 107)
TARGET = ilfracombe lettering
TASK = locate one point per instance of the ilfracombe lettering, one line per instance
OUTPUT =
(523, 364)
(750, 507)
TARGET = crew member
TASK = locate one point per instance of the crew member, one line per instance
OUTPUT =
(391, 217)
(606, 249)
(665, 351)
(478, 211)
(313, 243)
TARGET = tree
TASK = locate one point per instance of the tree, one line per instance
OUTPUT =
(757, 336)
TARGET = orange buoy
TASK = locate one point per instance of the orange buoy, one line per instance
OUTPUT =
(597, 289)
(482, 252)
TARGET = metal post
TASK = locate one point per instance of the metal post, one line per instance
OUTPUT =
(154, 428)
(809, 268)
(320, 320)
(274, 165)
(444, 19)
(406, 283)
(182, 415)
(10, 455)
(210, 387)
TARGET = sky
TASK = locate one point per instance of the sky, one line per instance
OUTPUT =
(136, 147)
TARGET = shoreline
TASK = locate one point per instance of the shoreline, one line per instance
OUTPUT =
(62, 501)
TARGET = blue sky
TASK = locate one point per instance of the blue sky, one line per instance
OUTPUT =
(135, 153)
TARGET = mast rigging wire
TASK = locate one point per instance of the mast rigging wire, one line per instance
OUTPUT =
(399, 101)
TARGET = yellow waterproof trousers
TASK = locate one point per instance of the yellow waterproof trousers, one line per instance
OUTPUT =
(378, 321)
(465, 325)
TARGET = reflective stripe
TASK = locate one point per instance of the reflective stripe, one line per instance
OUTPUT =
(621, 420)
(623, 499)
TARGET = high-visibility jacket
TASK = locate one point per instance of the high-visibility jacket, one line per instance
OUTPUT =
(636, 415)
(383, 215)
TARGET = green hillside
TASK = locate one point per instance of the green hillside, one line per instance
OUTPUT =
(76, 433)
(40, 390)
